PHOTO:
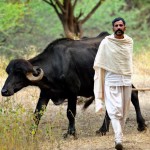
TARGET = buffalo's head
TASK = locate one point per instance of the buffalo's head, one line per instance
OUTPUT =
(20, 73)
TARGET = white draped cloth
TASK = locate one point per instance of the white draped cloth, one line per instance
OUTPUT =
(114, 55)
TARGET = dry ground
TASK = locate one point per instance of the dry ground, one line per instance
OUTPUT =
(88, 122)
(54, 123)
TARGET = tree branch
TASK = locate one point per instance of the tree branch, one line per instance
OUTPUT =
(60, 6)
(50, 2)
(74, 4)
(66, 4)
(80, 14)
(91, 12)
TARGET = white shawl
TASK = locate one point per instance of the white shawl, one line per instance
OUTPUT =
(114, 55)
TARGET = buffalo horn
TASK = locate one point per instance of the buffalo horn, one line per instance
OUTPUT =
(36, 75)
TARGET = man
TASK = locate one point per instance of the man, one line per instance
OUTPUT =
(112, 80)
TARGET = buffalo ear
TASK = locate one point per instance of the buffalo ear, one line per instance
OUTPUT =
(19, 65)
(25, 67)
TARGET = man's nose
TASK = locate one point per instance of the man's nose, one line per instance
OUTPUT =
(118, 27)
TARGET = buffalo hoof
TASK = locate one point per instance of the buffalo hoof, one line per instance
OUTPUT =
(142, 127)
(74, 135)
(100, 132)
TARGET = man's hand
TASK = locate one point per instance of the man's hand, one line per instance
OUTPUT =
(99, 105)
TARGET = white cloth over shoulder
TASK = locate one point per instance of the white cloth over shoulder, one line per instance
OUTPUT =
(114, 55)
(98, 89)
(99, 105)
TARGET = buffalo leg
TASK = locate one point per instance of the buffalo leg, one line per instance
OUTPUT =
(139, 117)
(71, 113)
(40, 108)
(105, 126)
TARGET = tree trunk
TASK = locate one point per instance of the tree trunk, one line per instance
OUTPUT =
(73, 31)
(72, 24)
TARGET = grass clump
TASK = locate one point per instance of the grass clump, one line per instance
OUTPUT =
(14, 127)
(17, 128)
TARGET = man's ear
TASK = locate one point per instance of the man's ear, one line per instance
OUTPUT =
(125, 28)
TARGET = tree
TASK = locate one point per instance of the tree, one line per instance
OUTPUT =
(65, 10)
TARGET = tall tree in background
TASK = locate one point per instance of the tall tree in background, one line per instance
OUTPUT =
(65, 10)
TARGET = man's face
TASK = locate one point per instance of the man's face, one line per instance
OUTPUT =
(119, 28)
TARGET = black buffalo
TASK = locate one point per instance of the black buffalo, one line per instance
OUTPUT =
(64, 70)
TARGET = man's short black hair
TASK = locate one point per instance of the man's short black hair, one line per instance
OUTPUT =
(118, 19)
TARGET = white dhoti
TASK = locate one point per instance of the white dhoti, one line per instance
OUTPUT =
(117, 101)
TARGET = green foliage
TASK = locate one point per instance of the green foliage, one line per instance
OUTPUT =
(137, 27)
(11, 15)
(36, 24)
(101, 20)
(45, 19)
(12, 21)
(139, 3)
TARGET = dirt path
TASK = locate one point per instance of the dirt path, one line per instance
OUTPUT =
(54, 123)
(88, 122)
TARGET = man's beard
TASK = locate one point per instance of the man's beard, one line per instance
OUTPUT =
(119, 32)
